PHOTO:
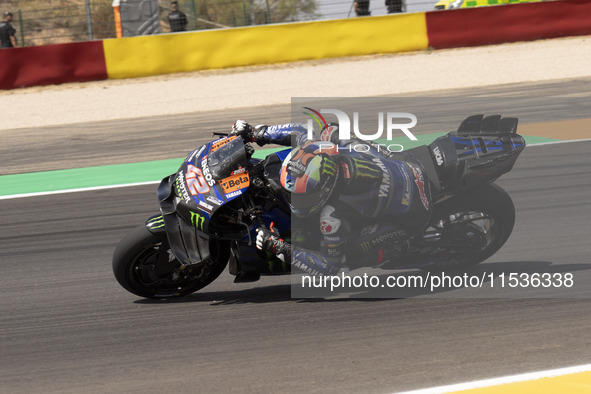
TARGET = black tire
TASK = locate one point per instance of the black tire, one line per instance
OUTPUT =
(141, 266)
(497, 207)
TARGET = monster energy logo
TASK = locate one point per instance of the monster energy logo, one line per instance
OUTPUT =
(329, 168)
(157, 222)
(367, 169)
(197, 220)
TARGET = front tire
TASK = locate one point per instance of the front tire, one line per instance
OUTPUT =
(144, 265)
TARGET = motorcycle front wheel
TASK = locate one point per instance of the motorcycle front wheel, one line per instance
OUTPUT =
(144, 265)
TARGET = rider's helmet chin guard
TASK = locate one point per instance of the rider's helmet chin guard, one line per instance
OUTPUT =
(310, 176)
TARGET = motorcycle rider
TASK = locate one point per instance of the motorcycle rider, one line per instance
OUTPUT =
(368, 199)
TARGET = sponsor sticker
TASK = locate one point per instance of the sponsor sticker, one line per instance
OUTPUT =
(235, 182)
(420, 182)
(346, 171)
(233, 194)
(214, 200)
(205, 207)
(438, 156)
(406, 192)
(326, 228)
(181, 188)
(369, 230)
(197, 220)
(196, 153)
(217, 144)
(384, 189)
(206, 172)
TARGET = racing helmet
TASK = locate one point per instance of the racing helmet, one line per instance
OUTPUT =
(309, 173)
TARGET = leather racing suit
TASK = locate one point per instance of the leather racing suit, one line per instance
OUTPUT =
(380, 199)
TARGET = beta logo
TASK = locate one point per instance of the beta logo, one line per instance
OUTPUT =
(235, 182)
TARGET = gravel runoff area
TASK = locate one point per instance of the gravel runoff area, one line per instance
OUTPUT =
(275, 84)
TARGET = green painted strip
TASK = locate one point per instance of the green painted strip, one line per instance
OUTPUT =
(531, 139)
(151, 171)
(78, 178)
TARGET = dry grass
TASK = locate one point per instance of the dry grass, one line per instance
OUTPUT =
(42, 22)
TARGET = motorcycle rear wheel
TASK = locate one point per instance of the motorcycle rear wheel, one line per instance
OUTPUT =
(473, 227)
(144, 265)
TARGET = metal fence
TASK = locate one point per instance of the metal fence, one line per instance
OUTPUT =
(55, 21)
(41, 22)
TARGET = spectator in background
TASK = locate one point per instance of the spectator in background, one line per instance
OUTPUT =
(176, 18)
(394, 6)
(362, 7)
(7, 32)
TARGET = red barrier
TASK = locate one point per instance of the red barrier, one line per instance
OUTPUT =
(52, 64)
(80, 62)
(508, 23)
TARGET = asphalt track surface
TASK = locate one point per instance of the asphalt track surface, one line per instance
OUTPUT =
(67, 326)
(167, 137)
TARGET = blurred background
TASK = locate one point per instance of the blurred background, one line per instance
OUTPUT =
(41, 22)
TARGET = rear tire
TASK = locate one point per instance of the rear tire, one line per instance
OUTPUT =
(142, 266)
(498, 216)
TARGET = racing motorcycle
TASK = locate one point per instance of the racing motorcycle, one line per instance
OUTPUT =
(210, 209)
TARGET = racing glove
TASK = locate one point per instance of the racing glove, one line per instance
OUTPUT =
(243, 129)
(249, 133)
(268, 240)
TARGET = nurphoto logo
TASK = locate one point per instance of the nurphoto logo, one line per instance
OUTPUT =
(344, 125)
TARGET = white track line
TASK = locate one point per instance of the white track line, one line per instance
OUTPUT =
(11, 196)
(560, 142)
(502, 380)
(84, 189)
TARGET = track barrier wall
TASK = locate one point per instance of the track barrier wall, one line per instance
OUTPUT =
(169, 53)
(267, 44)
(52, 64)
(468, 27)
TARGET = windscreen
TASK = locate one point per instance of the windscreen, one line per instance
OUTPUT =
(226, 156)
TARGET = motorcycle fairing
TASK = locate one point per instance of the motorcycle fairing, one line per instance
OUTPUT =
(466, 161)
(209, 178)
(187, 244)
(476, 124)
